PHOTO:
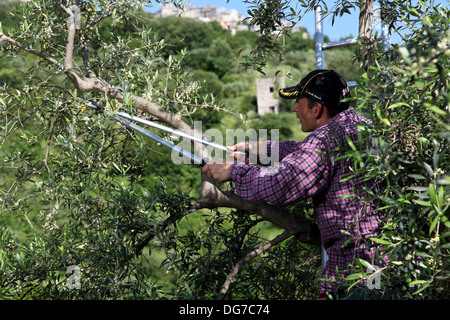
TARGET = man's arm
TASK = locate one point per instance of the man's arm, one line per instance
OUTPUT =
(299, 175)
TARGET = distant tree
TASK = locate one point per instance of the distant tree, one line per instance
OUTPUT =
(185, 33)
(216, 58)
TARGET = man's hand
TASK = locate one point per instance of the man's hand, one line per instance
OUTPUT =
(247, 149)
(218, 170)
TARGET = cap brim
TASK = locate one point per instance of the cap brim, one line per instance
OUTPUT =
(290, 93)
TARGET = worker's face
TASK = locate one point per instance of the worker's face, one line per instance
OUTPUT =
(304, 114)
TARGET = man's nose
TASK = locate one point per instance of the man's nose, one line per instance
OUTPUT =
(294, 107)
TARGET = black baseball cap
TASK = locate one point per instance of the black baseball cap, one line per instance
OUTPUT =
(324, 86)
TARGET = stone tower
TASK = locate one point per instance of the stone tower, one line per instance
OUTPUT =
(267, 94)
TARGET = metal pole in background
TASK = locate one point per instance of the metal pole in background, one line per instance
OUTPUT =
(320, 64)
(320, 46)
(320, 56)
(385, 35)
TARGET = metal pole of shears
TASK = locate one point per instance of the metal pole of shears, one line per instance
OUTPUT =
(176, 132)
(120, 116)
(193, 157)
(124, 118)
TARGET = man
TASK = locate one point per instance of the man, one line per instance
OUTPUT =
(312, 168)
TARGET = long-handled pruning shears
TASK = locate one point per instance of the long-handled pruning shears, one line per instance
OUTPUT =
(125, 118)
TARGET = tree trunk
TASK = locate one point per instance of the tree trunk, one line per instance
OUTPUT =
(365, 31)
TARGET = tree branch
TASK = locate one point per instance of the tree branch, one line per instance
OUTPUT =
(212, 197)
(73, 12)
(365, 20)
(249, 256)
(95, 21)
(85, 56)
(4, 38)
(365, 30)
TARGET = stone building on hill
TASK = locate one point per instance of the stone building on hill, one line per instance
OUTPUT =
(229, 19)
(267, 94)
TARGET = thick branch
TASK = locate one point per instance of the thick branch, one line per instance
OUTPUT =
(365, 20)
(365, 30)
(212, 197)
(68, 64)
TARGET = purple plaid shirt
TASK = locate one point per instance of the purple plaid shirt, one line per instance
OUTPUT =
(310, 169)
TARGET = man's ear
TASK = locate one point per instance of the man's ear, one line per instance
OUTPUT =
(319, 110)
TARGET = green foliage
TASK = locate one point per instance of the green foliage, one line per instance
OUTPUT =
(186, 33)
(78, 190)
(8, 67)
(77, 201)
(101, 235)
(201, 257)
(406, 95)
(268, 17)
(9, 75)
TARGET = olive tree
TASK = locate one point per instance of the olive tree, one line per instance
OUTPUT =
(407, 95)
(86, 174)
